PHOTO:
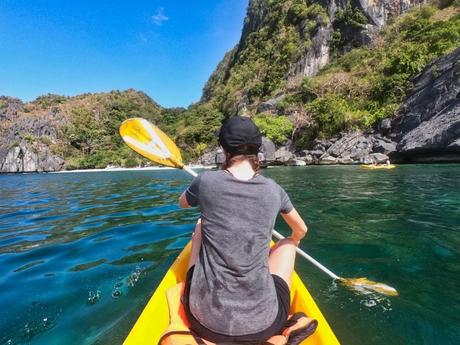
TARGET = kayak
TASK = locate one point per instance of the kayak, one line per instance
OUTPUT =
(154, 319)
(384, 166)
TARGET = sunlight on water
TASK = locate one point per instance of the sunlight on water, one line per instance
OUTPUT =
(81, 253)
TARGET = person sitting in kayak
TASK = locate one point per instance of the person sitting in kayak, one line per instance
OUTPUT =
(237, 289)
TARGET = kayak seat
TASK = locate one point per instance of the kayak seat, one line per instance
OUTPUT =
(178, 331)
(297, 328)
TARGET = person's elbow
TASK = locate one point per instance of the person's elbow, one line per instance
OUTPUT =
(296, 223)
(300, 229)
(304, 229)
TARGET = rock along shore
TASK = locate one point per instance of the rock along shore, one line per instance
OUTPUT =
(426, 128)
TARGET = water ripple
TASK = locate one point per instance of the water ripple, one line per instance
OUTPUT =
(81, 253)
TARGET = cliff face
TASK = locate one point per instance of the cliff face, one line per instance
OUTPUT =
(25, 138)
(24, 157)
(334, 66)
(284, 41)
(427, 127)
(55, 132)
(351, 24)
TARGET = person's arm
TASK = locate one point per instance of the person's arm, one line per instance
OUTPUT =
(190, 197)
(183, 203)
(297, 225)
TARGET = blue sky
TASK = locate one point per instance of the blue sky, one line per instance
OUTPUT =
(166, 48)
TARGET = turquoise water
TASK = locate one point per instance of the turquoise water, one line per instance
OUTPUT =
(80, 253)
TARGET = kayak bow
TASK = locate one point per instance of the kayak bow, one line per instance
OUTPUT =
(154, 319)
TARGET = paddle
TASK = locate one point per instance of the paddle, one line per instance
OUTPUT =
(152, 143)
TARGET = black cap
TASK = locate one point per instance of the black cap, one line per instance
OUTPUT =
(240, 135)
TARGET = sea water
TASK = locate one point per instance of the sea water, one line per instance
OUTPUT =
(81, 253)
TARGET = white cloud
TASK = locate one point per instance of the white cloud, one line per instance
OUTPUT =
(159, 17)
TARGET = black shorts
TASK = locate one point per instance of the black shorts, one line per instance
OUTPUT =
(282, 291)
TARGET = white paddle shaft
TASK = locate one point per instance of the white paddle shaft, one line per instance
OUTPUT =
(190, 171)
(280, 237)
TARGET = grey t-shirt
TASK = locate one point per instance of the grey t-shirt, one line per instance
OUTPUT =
(232, 291)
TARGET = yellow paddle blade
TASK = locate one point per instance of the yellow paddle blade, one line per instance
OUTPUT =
(151, 142)
(364, 285)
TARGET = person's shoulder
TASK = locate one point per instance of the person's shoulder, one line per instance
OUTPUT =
(268, 181)
(210, 175)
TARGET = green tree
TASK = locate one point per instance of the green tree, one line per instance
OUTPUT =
(276, 128)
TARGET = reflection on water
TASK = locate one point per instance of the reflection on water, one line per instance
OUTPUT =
(81, 253)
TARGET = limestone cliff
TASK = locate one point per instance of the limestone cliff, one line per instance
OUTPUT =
(25, 137)
(427, 127)
(284, 41)
(56, 132)
(335, 69)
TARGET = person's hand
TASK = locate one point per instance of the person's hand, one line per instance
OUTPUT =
(295, 241)
(287, 240)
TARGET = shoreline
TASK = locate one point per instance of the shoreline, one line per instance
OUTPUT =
(127, 169)
(205, 167)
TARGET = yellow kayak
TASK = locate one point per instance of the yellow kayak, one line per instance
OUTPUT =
(383, 166)
(154, 319)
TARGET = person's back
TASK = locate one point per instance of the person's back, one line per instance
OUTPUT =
(232, 291)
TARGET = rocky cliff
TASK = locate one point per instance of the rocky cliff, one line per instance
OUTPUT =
(349, 24)
(26, 138)
(427, 127)
(284, 41)
(351, 69)
(55, 132)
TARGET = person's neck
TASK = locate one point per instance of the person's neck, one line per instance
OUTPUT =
(242, 170)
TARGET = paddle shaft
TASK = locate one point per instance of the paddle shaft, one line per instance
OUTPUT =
(190, 171)
(280, 237)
